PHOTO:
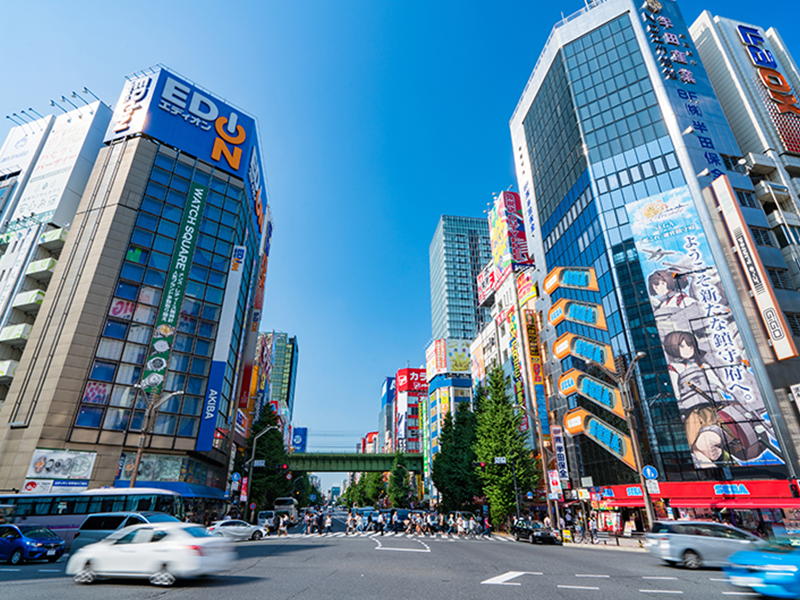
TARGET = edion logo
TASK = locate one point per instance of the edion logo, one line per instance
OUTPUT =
(227, 128)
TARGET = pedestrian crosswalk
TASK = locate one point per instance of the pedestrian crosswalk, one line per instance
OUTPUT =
(433, 537)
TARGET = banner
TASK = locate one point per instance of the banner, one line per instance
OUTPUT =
(299, 439)
(172, 299)
(517, 382)
(719, 400)
(536, 373)
(61, 464)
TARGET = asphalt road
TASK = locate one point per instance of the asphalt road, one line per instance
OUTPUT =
(397, 566)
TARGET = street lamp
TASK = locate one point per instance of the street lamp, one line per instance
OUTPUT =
(253, 457)
(622, 383)
(149, 411)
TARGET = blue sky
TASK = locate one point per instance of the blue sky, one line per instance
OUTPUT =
(375, 118)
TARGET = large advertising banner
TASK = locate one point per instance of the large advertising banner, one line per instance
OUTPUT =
(219, 360)
(537, 378)
(299, 439)
(174, 289)
(720, 403)
(61, 464)
(517, 382)
(508, 239)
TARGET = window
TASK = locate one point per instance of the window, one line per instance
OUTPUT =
(747, 199)
(780, 279)
(762, 236)
(732, 164)
(793, 320)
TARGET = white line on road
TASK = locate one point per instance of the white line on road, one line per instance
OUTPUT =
(10, 570)
(403, 549)
(578, 587)
(741, 593)
(589, 575)
(661, 591)
(665, 578)
(49, 570)
(506, 577)
(726, 580)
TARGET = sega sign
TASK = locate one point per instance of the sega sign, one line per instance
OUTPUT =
(731, 489)
(172, 110)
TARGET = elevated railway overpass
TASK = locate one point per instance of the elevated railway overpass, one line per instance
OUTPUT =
(343, 462)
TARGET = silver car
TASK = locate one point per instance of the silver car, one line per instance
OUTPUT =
(237, 530)
(694, 544)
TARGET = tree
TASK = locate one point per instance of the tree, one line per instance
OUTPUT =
(453, 471)
(268, 482)
(398, 489)
(498, 434)
(373, 487)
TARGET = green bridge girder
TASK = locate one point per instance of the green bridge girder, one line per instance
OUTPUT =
(343, 462)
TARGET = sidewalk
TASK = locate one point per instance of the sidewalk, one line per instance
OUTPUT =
(625, 544)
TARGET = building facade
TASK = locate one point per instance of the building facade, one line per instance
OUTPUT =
(283, 376)
(411, 389)
(149, 301)
(386, 417)
(617, 139)
(459, 250)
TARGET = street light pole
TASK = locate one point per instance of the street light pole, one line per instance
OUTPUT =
(149, 412)
(253, 457)
(622, 383)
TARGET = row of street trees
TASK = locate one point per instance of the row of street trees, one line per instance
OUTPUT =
(372, 490)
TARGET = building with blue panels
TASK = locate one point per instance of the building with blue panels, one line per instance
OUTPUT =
(460, 248)
(156, 285)
(617, 139)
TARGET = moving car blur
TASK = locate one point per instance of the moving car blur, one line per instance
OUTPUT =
(161, 552)
(772, 570)
(20, 543)
(695, 544)
(237, 530)
(534, 532)
(96, 527)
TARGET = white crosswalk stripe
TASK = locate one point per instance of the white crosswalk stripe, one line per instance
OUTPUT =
(442, 537)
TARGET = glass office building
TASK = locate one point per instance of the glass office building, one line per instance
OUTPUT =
(151, 299)
(460, 248)
(619, 118)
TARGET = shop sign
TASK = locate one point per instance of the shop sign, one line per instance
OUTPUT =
(584, 348)
(602, 394)
(633, 491)
(731, 489)
(583, 313)
(578, 278)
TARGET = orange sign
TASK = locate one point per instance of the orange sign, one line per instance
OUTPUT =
(579, 421)
(585, 349)
(579, 278)
(584, 313)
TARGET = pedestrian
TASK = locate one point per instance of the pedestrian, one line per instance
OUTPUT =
(380, 522)
(350, 525)
(283, 528)
(460, 526)
(328, 523)
(395, 520)
(593, 529)
(487, 527)
(451, 523)
(472, 526)
(359, 523)
(305, 523)
(370, 526)
(320, 523)
(547, 521)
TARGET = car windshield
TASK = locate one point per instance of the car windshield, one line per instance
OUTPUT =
(162, 518)
(36, 531)
(198, 532)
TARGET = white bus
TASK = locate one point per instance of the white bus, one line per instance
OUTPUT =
(287, 506)
(64, 513)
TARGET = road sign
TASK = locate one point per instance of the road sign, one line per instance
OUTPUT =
(259, 463)
(288, 476)
(650, 472)
(252, 506)
(235, 477)
(312, 497)
(499, 460)
(652, 486)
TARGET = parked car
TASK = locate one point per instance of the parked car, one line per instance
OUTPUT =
(266, 519)
(19, 543)
(99, 526)
(161, 552)
(772, 570)
(402, 517)
(237, 530)
(534, 532)
(694, 544)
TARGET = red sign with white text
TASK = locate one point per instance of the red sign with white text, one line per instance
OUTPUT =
(413, 381)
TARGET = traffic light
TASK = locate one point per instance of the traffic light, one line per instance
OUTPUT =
(281, 469)
(480, 465)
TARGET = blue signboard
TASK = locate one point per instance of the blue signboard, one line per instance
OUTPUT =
(387, 393)
(650, 472)
(168, 108)
(208, 419)
(299, 438)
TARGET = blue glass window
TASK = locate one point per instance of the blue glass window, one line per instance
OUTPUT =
(224, 248)
(180, 184)
(229, 219)
(214, 295)
(168, 228)
(220, 263)
(187, 324)
(183, 170)
(179, 362)
(160, 176)
(202, 347)
(136, 420)
(198, 273)
(165, 424)
(127, 290)
(176, 198)
(164, 244)
(116, 330)
(155, 278)
(103, 371)
(191, 307)
(172, 213)
(226, 233)
(137, 255)
(117, 419)
(164, 162)
(216, 279)
(218, 185)
(211, 312)
(205, 242)
(196, 386)
(141, 237)
(212, 212)
(156, 191)
(192, 405)
(183, 343)
(202, 178)
(200, 366)
(159, 261)
(89, 416)
(146, 221)
(207, 330)
(151, 206)
(187, 427)
(132, 272)
(202, 257)
(209, 227)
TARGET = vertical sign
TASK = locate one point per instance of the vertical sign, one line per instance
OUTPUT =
(174, 289)
(536, 373)
(222, 346)
(519, 384)
(561, 453)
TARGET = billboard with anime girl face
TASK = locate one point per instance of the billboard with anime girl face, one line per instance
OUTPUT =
(720, 403)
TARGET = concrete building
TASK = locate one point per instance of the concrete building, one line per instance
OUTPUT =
(148, 301)
(386, 417)
(282, 377)
(617, 139)
(459, 250)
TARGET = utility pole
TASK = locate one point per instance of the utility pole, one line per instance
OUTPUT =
(252, 459)
(151, 406)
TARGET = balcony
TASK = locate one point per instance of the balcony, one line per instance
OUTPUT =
(54, 240)
(759, 164)
(7, 370)
(41, 270)
(769, 191)
(791, 164)
(15, 335)
(30, 301)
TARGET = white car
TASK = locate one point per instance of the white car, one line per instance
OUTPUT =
(237, 530)
(161, 552)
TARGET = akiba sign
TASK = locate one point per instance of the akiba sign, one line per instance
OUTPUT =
(172, 110)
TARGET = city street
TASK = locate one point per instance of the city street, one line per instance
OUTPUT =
(399, 566)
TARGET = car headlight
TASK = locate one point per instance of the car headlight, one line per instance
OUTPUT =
(32, 543)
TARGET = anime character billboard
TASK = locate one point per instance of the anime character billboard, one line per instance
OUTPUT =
(720, 403)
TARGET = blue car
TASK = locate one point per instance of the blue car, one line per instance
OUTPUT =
(19, 543)
(773, 571)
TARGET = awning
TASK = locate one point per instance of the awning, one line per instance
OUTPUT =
(187, 490)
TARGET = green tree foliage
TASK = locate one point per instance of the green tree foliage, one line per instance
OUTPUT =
(267, 483)
(453, 472)
(399, 489)
(498, 434)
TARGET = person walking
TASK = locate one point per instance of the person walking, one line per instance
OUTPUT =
(328, 523)
(451, 524)
(381, 522)
(487, 527)
(593, 529)
(305, 524)
(350, 524)
(283, 527)
(320, 523)
(394, 521)
(359, 523)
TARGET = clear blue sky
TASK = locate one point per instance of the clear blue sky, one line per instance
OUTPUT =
(376, 117)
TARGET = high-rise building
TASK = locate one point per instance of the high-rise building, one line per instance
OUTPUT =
(283, 376)
(148, 302)
(411, 388)
(386, 417)
(460, 248)
(617, 140)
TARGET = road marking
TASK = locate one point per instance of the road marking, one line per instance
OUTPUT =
(741, 593)
(578, 587)
(665, 578)
(10, 570)
(403, 549)
(661, 591)
(726, 580)
(49, 570)
(506, 577)
(598, 576)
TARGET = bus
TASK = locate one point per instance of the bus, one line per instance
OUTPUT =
(287, 506)
(64, 513)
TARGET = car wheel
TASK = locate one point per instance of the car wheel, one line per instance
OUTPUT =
(691, 560)
(162, 577)
(16, 557)
(256, 535)
(516, 537)
(532, 540)
(86, 574)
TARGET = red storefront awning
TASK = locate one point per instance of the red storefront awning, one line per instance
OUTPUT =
(625, 503)
(736, 503)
